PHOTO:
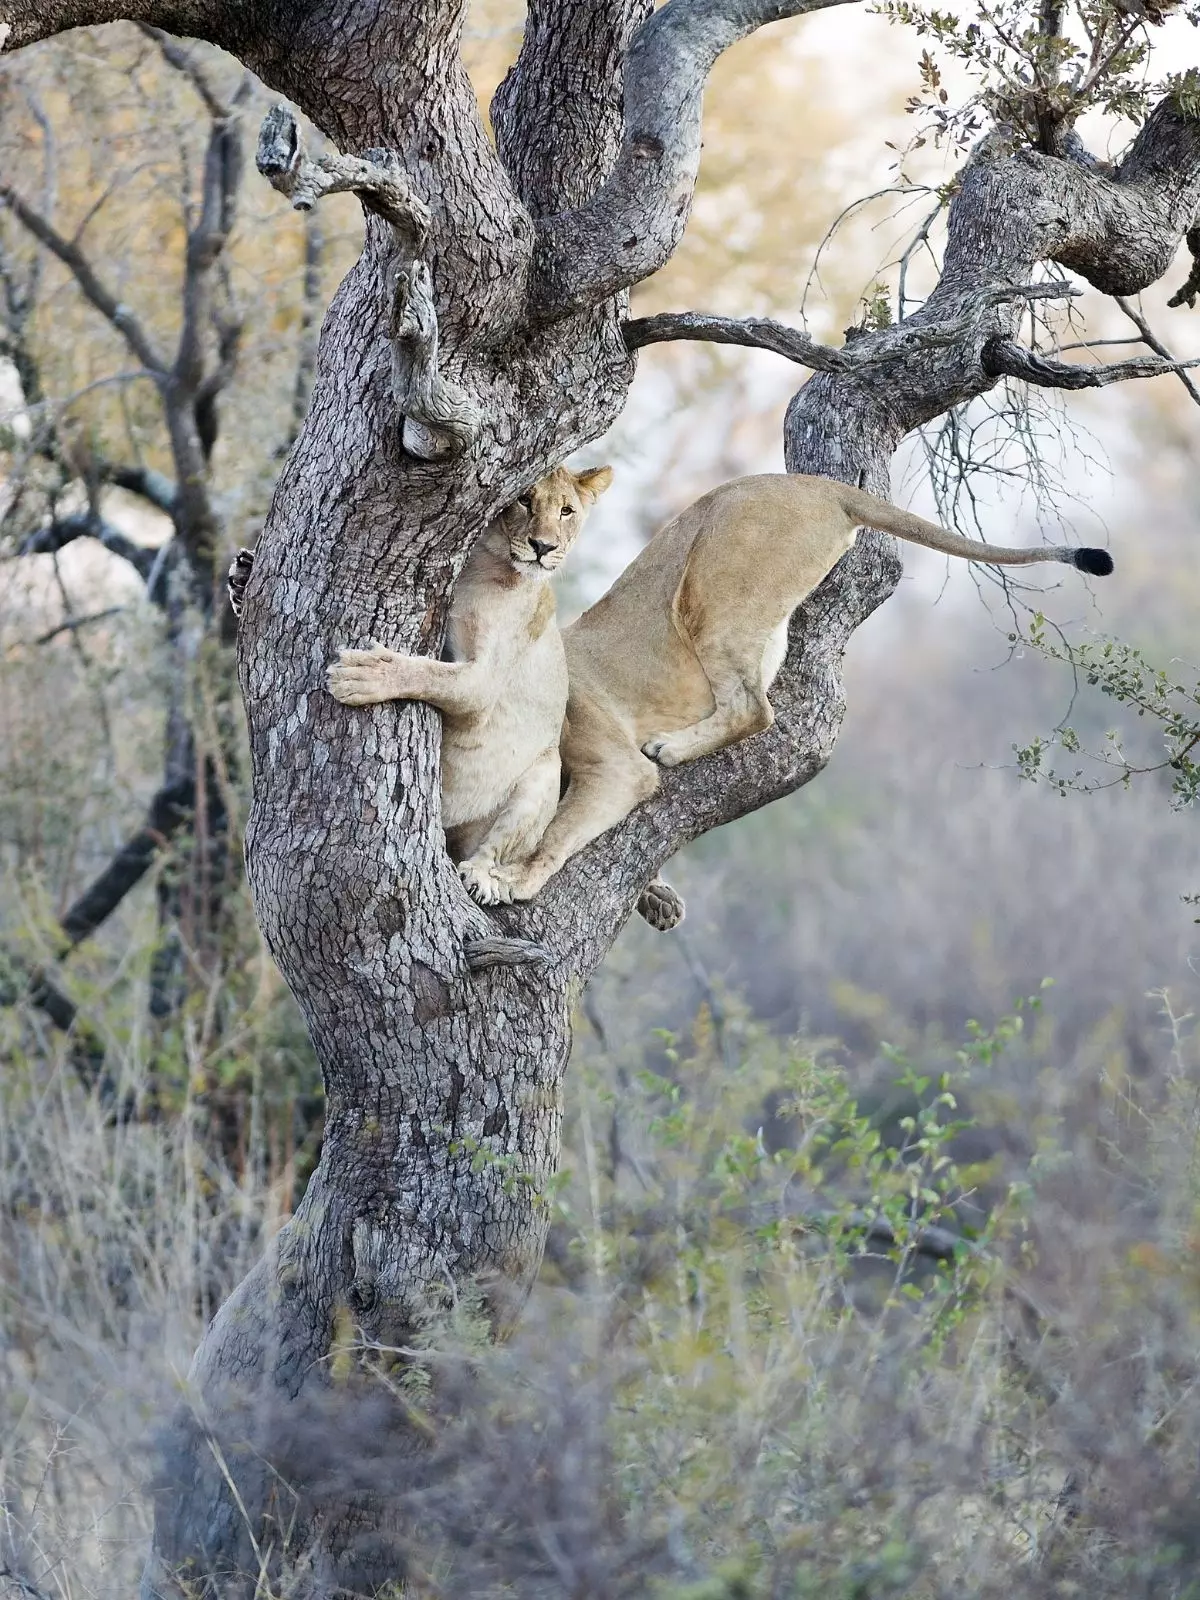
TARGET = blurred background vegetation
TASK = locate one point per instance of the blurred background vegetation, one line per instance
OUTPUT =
(874, 1265)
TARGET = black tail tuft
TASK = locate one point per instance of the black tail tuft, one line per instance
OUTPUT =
(1096, 562)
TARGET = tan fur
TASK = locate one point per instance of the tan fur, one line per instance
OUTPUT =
(503, 691)
(675, 661)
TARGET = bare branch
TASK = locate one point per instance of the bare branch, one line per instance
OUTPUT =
(26, 21)
(375, 178)
(185, 62)
(1149, 337)
(72, 257)
(74, 623)
(633, 225)
(1004, 358)
(169, 810)
(895, 344)
(153, 486)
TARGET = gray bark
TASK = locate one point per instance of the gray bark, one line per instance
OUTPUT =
(430, 1056)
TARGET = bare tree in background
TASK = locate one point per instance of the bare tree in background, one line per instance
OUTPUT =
(481, 338)
(62, 469)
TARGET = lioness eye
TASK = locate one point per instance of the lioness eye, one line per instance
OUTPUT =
(567, 511)
(525, 502)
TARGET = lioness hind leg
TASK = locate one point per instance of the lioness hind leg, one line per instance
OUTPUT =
(515, 833)
(734, 670)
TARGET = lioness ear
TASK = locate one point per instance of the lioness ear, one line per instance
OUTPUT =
(594, 481)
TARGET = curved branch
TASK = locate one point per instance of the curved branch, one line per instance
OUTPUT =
(1005, 358)
(557, 115)
(632, 227)
(376, 178)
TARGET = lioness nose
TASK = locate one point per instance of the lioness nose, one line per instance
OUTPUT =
(541, 546)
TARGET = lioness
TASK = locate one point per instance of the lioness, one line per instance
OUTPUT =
(675, 661)
(501, 687)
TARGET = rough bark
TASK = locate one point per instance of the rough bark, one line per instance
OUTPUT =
(444, 1074)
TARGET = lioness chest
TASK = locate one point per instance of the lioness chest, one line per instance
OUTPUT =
(484, 756)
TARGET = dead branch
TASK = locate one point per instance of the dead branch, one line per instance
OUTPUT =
(439, 418)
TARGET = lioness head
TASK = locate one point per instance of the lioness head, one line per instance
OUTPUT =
(542, 524)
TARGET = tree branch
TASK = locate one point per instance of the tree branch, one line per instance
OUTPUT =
(895, 343)
(72, 257)
(73, 623)
(183, 61)
(1150, 338)
(144, 481)
(759, 333)
(376, 178)
(27, 21)
(169, 810)
(1004, 358)
(633, 225)
(1191, 289)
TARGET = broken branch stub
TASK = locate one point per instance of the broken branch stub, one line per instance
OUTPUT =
(438, 419)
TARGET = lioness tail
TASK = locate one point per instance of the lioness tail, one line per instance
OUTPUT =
(869, 512)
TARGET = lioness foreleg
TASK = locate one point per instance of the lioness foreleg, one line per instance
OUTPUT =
(514, 835)
(369, 677)
(601, 795)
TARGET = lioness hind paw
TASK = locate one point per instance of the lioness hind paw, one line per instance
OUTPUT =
(661, 906)
(661, 751)
(237, 578)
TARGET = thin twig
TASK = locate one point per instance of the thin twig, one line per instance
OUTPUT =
(1151, 338)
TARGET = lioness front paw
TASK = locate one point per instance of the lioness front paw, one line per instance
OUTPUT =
(365, 677)
(486, 881)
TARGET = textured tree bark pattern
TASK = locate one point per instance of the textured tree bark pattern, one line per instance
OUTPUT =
(445, 1084)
